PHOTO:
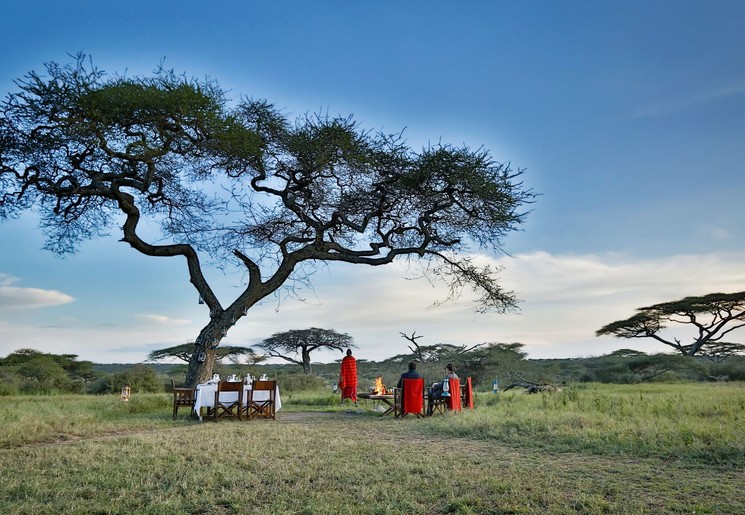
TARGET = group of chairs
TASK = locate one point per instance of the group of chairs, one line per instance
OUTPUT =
(255, 406)
(416, 399)
(412, 398)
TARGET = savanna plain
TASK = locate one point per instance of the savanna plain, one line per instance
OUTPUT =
(589, 448)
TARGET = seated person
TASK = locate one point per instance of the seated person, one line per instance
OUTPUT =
(450, 372)
(409, 374)
(435, 392)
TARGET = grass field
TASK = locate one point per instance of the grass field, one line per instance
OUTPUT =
(587, 449)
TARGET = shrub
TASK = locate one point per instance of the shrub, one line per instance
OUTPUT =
(293, 383)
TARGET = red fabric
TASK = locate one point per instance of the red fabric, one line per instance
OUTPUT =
(349, 392)
(469, 394)
(348, 378)
(454, 400)
(413, 396)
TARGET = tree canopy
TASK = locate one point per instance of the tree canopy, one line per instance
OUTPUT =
(296, 345)
(184, 351)
(32, 371)
(713, 316)
(237, 184)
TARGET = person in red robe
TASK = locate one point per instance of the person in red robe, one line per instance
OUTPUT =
(348, 377)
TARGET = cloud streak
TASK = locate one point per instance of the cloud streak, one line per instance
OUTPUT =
(674, 105)
(163, 320)
(17, 297)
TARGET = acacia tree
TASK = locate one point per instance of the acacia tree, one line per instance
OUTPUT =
(301, 342)
(239, 185)
(439, 352)
(713, 316)
(184, 351)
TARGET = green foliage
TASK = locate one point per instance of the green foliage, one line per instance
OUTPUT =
(33, 372)
(184, 351)
(140, 378)
(245, 187)
(294, 383)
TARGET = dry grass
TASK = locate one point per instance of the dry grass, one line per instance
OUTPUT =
(335, 463)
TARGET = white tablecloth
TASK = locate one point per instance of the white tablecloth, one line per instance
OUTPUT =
(206, 397)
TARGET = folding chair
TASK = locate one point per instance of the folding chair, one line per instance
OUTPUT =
(409, 398)
(262, 400)
(228, 405)
(454, 400)
(442, 403)
(183, 397)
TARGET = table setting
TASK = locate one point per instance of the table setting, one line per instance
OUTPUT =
(205, 395)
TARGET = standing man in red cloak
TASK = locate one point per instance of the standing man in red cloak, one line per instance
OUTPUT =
(348, 377)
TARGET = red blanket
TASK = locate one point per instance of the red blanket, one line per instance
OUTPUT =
(348, 378)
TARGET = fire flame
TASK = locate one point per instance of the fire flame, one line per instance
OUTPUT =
(379, 386)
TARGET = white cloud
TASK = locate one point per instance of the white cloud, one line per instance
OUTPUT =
(16, 297)
(163, 320)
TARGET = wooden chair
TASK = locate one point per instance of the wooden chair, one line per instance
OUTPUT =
(184, 397)
(409, 398)
(228, 407)
(262, 400)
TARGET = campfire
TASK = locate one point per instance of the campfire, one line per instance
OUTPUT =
(379, 388)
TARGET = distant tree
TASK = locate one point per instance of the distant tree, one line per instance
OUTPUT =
(719, 351)
(712, 316)
(480, 360)
(626, 353)
(296, 345)
(731, 370)
(41, 372)
(647, 368)
(414, 347)
(20, 356)
(440, 352)
(184, 351)
(79, 370)
(140, 378)
(630, 366)
(244, 187)
(250, 358)
(503, 361)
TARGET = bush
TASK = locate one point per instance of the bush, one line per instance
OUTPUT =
(293, 383)
(140, 378)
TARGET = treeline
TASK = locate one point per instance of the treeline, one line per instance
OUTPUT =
(508, 364)
(27, 371)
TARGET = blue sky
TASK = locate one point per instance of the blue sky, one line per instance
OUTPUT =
(628, 118)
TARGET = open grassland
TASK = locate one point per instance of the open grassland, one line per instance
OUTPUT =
(587, 449)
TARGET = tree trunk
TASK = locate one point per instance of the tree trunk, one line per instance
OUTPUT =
(306, 362)
(200, 372)
(202, 360)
